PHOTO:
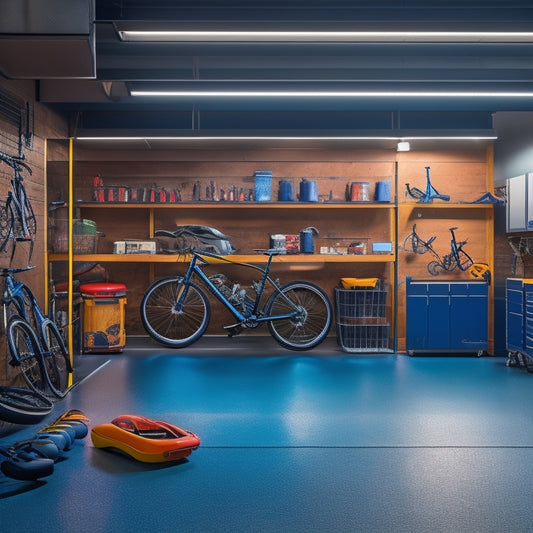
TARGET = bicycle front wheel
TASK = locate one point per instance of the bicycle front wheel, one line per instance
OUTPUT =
(56, 359)
(25, 353)
(19, 405)
(310, 326)
(169, 325)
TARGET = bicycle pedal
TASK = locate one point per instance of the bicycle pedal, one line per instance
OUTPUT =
(233, 330)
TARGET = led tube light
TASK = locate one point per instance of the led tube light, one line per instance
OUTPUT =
(326, 36)
(290, 138)
(330, 94)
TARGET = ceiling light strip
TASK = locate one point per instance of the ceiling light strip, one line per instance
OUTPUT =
(340, 36)
(290, 138)
(332, 94)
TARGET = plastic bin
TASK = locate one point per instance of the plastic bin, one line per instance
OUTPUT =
(103, 317)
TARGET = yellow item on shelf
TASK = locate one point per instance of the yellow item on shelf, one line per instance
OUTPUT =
(356, 283)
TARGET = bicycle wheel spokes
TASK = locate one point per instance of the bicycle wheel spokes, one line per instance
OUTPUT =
(29, 216)
(168, 325)
(6, 225)
(56, 360)
(449, 263)
(433, 268)
(311, 324)
(25, 353)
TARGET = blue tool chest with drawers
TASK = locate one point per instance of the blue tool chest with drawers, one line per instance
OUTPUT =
(519, 315)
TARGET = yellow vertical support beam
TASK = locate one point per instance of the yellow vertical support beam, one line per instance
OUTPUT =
(151, 226)
(70, 255)
(45, 232)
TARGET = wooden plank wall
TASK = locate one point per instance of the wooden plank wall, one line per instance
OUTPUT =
(462, 174)
(248, 228)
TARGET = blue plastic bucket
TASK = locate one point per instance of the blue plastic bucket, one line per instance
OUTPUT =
(382, 193)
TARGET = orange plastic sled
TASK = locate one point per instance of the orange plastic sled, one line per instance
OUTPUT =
(149, 441)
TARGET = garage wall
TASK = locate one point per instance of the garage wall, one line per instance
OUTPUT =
(38, 123)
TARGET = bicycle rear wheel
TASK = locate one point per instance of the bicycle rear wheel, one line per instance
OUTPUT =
(6, 225)
(310, 326)
(56, 359)
(170, 326)
(25, 353)
(19, 405)
(29, 215)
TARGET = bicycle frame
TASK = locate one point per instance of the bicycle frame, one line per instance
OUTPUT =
(259, 287)
(456, 250)
(18, 198)
(13, 291)
(18, 208)
(448, 262)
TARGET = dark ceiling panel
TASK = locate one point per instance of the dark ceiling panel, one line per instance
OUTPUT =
(445, 66)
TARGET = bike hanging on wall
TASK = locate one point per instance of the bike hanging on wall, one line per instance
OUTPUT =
(17, 219)
(456, 258)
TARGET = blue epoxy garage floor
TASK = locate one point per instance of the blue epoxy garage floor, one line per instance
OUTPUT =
(321, 441)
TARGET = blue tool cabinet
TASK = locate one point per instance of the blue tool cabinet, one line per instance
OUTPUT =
(519, 318)
(446, 316)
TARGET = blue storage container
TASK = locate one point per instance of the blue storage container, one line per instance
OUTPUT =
(263, 185)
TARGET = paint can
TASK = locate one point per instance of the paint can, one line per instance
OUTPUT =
(359, 191)
(307, 240)
(308, 191)
(285, 191)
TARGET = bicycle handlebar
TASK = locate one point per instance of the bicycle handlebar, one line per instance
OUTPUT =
(7, 271)
(15, 162)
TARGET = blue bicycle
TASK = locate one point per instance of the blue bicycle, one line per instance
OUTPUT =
(34, 340)
(17, 219)
(175, 311)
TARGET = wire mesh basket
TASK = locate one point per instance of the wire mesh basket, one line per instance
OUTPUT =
(361, 319)
(84, 244)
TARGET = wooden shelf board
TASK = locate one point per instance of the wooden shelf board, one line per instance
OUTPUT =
(239, 205)
(416, 205)
(250, 258)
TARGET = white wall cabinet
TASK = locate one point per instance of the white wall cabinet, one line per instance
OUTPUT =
(520, 203)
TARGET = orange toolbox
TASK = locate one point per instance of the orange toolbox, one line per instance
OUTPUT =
(104, 306)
